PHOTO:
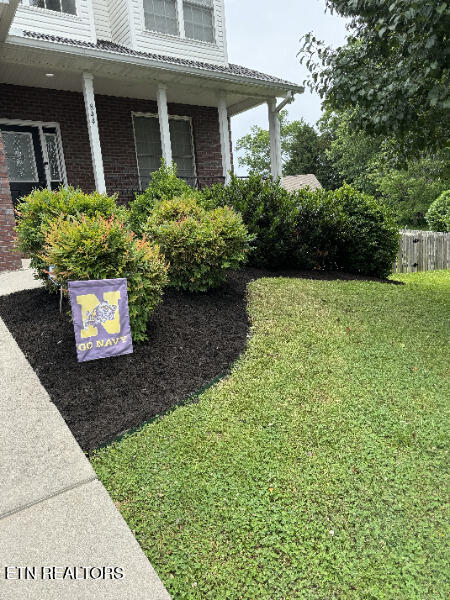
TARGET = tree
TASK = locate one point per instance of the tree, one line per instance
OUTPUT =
(307, 153)
(410, 191)
(303, 151)
(393, 71)
(376, 165)
(350, 152)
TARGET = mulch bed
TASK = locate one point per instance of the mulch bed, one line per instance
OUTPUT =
(193, 339)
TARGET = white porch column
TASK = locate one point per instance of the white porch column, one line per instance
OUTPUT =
(224, 136)
(275, 139)
(163, 114)
(87, 81)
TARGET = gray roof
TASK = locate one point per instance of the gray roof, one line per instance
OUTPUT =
(291, 183)
(230, 69)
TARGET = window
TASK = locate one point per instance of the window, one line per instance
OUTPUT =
(199, 20)
(182, 155)
(148, 147)
(54, 159)
(20, 157)
(62, 6)
(161, 15)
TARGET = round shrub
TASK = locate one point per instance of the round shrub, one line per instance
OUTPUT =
(269, 213)
(36, 211)
(99, 248)
(201, 245)
(369, 237)
(164, 185)
(438, 215)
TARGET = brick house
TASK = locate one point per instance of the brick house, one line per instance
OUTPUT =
(93, 93)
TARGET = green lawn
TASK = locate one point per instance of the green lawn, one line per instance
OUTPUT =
(318, 469)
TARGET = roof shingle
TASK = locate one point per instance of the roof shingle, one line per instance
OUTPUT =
(231, 69)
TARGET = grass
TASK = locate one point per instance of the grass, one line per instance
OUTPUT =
(317, 469)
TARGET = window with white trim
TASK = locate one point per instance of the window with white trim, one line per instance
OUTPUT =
(148, 146)
(161, 16)
(199, 20)
(62, 6)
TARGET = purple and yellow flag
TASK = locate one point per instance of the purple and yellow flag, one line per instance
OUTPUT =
(100, 318)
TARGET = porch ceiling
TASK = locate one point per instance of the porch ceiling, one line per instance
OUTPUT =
(129, 76)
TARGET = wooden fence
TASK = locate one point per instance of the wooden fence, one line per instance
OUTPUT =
(422, 251)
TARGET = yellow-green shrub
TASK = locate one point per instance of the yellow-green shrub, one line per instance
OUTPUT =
(99, 248)
(201, 245)
(36, 211)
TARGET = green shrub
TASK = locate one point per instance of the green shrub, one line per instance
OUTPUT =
(318, 230)
(268, 212)
(41, 207)
(201, 245)
(342, 229)
(368, 242)
(164, 185)
(438, 215)
(99, 248)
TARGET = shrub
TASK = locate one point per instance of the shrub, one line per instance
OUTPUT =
(438, 215)
(201, 245)
(268, 212)
(99, 248)
(368, 242)
(317, 232)
(36, 212)
(164, 185)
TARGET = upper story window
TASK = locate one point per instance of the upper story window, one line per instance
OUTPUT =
(193, 18)
(62, 6)
(199, 20)
(161, 15)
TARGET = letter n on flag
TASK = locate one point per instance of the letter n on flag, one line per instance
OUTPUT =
(100, 318)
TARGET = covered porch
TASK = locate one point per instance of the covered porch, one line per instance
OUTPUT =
(102, 117)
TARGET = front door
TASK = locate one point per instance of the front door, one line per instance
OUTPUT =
(33, 158)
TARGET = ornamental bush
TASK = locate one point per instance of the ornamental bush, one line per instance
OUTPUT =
(164, 185)
(269, 213)
(369, 236)
(99, 248)
(200, 245)
(438, 215)
(36, 211)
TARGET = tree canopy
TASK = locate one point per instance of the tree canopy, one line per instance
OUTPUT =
(393, 72)
(303, 151)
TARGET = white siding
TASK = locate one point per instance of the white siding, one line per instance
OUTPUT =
(102, 19)
(119, 16)
(50, 22)
(158, 43)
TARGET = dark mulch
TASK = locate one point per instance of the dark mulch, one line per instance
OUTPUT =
(194, 338)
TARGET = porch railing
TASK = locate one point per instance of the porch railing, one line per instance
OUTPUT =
(126, 187)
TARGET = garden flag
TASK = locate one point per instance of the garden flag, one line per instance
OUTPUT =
(100, 318)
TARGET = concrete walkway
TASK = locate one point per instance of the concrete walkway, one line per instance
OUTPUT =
(56, 518)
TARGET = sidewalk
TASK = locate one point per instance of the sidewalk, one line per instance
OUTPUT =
(54, 513)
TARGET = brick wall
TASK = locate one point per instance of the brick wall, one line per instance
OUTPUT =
(9, 260)
(67, 109)
(116, 138)
(116, 132)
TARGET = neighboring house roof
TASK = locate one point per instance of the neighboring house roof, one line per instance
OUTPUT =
(230, 69)
(291, 183)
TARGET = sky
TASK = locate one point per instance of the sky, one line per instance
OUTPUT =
(265, 35)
